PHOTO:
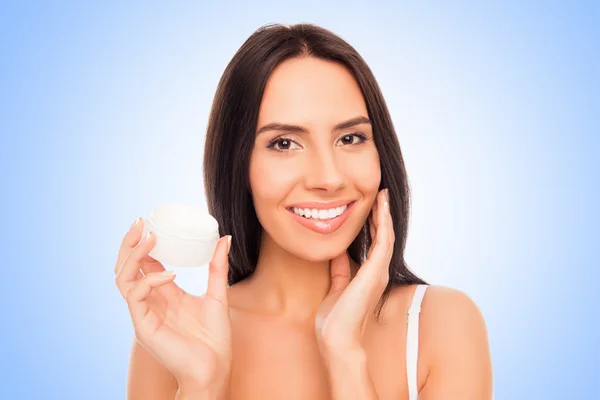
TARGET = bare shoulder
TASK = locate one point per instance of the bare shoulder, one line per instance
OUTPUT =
(445, 307)
(455, 331)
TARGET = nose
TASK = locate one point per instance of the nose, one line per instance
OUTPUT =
(323, 171)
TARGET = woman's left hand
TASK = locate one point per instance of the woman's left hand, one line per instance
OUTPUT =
(342, 315)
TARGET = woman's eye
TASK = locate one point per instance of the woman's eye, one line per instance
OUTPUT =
(353, 138)
(282, 144)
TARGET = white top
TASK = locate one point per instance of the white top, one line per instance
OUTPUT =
(412, 342)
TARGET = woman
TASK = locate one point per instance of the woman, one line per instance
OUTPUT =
(309, 296)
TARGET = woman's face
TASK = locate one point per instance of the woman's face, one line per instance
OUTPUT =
(314, 156)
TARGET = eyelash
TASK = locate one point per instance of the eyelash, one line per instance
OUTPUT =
(363, 138)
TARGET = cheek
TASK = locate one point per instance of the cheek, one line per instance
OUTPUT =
(365, 173)
(269, 185)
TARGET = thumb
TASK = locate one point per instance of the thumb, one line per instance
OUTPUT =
(218, 271)
(340, 273)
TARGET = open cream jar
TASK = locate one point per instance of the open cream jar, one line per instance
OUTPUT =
(185, 235)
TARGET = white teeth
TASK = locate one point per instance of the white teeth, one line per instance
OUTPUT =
(320, 214)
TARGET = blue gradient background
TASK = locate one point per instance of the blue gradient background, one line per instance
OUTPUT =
(103, 113)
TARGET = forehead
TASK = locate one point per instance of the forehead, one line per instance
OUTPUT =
(310, 91)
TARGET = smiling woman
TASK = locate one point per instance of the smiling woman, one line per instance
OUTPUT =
(310, 296)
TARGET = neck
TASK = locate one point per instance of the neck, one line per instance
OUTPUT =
(286, 285)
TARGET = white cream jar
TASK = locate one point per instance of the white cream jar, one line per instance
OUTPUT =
(186, 238)
(185, 235)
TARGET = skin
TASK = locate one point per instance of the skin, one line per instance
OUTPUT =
(302, 324)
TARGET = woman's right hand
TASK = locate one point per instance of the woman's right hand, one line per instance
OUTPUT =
(190, 335)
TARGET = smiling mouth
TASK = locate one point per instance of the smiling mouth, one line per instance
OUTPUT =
(320, 214)
(320, 220)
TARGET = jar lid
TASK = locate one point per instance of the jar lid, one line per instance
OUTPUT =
(184, 221)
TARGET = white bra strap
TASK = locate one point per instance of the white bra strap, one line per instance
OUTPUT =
(412, 342)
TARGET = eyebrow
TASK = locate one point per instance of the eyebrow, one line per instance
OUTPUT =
(276, 126)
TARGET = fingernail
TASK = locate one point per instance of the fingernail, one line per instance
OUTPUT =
(228, 243)
(167, 273)
(137, 221)
(387, 194)
(148, 235)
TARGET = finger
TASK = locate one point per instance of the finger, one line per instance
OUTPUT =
(385, 271)
(130, 272)
(374, 213)
(384, 222)
(130, 240)
(218, 270)
(340, 273)
(372, 233)
(373, 222)
(378, 260)
(149, 265)
(390, 222)
(376, 219)
(137, 295)
(389, 234)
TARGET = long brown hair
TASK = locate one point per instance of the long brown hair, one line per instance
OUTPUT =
(231, 132)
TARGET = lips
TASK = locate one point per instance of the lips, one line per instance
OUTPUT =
(323, 226)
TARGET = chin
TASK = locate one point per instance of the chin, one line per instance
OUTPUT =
(321, 249)
(319, 254)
